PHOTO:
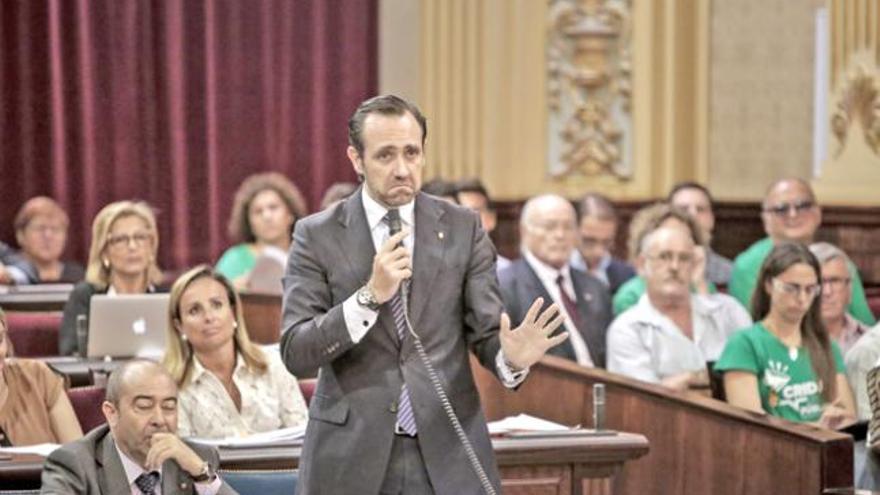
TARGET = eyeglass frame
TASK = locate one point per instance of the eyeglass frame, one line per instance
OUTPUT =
(124, 240)
(783, 210)
(793, 289)
(836, 283)
(666, 258)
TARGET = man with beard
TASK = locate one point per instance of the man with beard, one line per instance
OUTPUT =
(670, 334)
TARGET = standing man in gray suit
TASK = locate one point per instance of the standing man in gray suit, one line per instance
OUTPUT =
(138, 451)
(386, 291)
(548, 230)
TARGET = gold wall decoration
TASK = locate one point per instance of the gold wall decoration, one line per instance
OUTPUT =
(589, 88)
(858, 103)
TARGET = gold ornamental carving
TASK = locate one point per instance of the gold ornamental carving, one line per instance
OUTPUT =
(859, 103)
(589, 84)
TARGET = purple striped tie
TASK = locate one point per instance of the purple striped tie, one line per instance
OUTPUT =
(406, 419)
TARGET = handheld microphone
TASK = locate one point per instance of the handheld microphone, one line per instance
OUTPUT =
(394, 225)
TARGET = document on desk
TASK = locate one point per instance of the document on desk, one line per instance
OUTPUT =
(526, 426)
(281, 436)
(43, 449)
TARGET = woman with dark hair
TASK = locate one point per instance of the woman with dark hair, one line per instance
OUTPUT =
(265, 208)
(785, 364)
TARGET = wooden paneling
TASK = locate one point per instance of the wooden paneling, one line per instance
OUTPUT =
(698, 445)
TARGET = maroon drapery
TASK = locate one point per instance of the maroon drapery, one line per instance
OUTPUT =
(175, 102)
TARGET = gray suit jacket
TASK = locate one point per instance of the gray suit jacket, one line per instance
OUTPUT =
(520, 286)
(454, 306)
(91, 465)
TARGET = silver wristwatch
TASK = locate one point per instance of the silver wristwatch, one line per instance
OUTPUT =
(366, 298)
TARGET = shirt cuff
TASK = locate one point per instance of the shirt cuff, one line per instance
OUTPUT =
(211, 488)
(358, 319)
(509, 377)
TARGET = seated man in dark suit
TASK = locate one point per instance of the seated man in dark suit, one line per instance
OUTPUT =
(598, 229)
(138, 449)
(548, 233)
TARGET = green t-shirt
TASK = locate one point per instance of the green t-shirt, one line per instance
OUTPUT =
(788, 387)
(747, 266)
(631, 291)
(236, 261)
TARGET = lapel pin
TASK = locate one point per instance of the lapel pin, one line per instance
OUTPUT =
(440, 235)
(587, 296)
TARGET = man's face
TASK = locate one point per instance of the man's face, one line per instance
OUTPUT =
(549, 231)
(147, 405)
(697, 205)
(666, 262)
(479, 204)
(43, 238)
(597, 239)
(836, 292)
(392, 160)
(790, 213)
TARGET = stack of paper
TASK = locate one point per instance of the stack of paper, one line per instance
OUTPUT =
(284, 435)
(523, 422)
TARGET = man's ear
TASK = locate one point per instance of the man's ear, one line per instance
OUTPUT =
(641, 267)
(355, 158)
(110, 413)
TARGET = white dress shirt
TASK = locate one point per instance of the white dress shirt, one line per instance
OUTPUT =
(548, 275)
(133, 470)
(359, 320)
(269, 401)
(644, 344)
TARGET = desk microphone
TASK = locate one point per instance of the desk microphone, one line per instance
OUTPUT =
(598, 406)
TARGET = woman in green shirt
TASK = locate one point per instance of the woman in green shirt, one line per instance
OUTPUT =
(786, 364)
(265, 208)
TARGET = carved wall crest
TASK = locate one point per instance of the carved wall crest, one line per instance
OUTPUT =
(589, 84)
(859, 103)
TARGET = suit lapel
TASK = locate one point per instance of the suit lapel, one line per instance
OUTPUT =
(583, 299)
(432, 236)
(533, 285)
(111, 475)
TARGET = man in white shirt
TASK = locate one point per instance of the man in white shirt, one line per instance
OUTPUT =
(548, 231)
(138, 448)
(670, 335)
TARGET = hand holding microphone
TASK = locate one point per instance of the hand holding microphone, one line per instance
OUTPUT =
(392, 264)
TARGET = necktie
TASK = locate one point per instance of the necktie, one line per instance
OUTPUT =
(570, 306)
(406, 419)
(147, 482)
(873, 382)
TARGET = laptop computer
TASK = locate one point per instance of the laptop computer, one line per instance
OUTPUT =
(127, 326)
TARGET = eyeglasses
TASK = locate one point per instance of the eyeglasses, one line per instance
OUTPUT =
(834, 284)
(668, 257)
(785, 209)
(553, 226)
(791, 289)
(121, 240)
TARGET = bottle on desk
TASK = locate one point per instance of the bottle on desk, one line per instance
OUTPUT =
(82, 335)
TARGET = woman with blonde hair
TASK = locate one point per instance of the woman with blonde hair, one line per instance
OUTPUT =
(228, 387)
(122, 260)
(265, 208)
(34, 408)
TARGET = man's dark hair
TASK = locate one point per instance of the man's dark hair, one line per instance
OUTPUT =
(681, 186)
(440, 188)
(384, 105)
(596, 205)
(474, 185)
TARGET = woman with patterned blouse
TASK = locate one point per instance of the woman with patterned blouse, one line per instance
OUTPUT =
(229, 387)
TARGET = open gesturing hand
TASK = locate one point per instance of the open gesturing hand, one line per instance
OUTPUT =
(524, 345)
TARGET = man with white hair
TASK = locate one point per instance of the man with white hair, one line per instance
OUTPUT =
(548, 231)
(671, 333)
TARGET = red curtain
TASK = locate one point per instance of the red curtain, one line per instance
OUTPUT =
(175, 102)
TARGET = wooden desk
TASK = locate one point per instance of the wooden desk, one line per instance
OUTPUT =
(562, 466)
(698, 445)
